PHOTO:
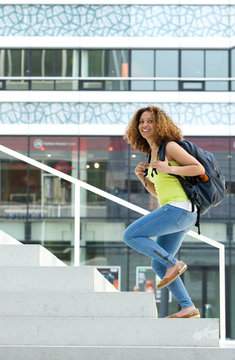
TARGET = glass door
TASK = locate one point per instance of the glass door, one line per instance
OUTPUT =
(202, 283)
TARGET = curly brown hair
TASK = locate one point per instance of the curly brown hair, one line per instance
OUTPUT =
(165, 129)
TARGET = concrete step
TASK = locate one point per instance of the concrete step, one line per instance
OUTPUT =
(57, 278)
(72, 331)
(114, 352)
(27, 255)
(85, 305)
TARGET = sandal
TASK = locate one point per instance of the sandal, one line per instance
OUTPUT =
(179, 269)
(193, 314)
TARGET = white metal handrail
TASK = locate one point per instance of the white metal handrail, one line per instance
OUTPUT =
(79, 183)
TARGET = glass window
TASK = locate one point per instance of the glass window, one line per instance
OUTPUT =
(42, 85)
(17, 62)
(43, 62)
(142, 85)
(216, 67)
(233, 68)
(92, 63)
(216, 63)
(13, 188)
(53, 195)
(36, 62)
(13, 223)
(202, 280)
(116, 64)
(94, 254)
(166, 85)
(104, 63)
(13, 177)
(192, 63)
(66, 85)
(56, 236)
(232, 257)
(166, 66)
(43, 65)
(142, 65)
(17, 143)
(232, 184)
(167, 63)
(2, 62)
(104, 164)
(192, 85)
(17, 85)
(213, 230)
(40, 204)
(193, 281)
(216, 85)
(67, 64)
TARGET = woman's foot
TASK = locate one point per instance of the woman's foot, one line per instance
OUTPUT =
(172, 274)
(188, 313)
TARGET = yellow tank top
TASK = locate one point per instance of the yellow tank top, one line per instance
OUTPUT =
(167, 187)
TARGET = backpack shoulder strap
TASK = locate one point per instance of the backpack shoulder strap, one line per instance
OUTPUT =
(148, 157)
(161, 153)
(148, 160)
(162, 149)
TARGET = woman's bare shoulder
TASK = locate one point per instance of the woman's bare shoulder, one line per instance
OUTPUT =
(172, 148)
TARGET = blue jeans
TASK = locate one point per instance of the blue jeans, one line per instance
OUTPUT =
(169, 224)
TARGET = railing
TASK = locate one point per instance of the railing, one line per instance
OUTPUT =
(94, 78)
(78, 184)
(103, 83)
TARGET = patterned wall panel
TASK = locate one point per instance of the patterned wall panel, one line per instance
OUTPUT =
(112, 113)
(117, 20)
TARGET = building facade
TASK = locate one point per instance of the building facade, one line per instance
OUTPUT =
(72, 74)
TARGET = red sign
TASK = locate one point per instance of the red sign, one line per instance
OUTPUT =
(63, 167)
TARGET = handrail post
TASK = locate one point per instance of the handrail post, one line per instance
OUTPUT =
(77, 225)
(222, 293)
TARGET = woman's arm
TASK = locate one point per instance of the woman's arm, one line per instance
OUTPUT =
(139, 171)
(174, 152)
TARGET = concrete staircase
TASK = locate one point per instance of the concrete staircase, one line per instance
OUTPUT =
(49, 311)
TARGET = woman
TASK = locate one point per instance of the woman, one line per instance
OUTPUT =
(148, 128)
